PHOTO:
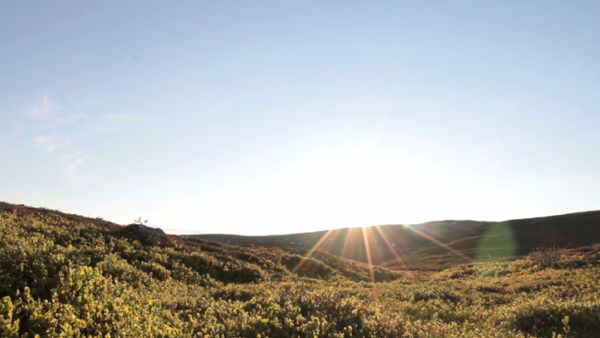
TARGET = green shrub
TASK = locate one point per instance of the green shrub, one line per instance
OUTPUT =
(545, 318)
(307, 267)
(9, 326)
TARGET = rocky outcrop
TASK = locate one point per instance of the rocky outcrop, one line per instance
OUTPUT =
(143, 233)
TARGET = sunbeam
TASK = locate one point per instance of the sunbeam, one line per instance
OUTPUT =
(312, 250)
(390, 245)
(346, 242)
(438, 243)
(368, 253)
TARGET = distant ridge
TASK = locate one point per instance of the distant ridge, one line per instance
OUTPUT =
(437, 244)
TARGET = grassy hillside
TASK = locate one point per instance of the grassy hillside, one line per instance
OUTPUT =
(438, 245)
(71, 276)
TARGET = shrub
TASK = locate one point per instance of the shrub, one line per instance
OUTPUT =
(546, 257)
(307, 267)
(70, 276)
(9, 326)
(547, 318)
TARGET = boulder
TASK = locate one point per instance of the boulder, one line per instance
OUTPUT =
(143, 233)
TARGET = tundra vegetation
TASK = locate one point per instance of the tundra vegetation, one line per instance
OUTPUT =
(70, 276)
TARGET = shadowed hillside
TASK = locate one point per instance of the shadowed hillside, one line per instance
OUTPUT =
(436, 245)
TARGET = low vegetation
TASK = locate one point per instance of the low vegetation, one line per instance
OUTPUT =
(70, 276)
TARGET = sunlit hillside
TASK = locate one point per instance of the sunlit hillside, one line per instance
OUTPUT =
(70, 276)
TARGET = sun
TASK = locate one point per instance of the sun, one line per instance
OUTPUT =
(361, 185)
(350, 186)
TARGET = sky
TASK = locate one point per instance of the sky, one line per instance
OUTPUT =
(266, 117)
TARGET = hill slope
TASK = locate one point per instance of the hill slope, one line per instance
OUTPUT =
(186, 258)
(437, 245)
(65, 275)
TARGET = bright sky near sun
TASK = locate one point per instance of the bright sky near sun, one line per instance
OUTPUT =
(262, 117)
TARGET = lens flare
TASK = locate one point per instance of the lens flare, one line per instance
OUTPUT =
(312, 250)
(369, 244)
(440, 244)
(368, 253)
(390, 246)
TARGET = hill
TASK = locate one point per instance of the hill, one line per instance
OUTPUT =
(64, 275)
(437, 245)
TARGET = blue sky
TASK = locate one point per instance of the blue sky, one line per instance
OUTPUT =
(283, 116)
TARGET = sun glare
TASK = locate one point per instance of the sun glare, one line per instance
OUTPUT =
(364, 183)
(353, 186)
(369, 241)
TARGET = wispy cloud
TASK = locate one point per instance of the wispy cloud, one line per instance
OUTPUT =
(52, 143)
(59, 121)
(58, 128)
(71, 163)
(41, 107)
(48, 124)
